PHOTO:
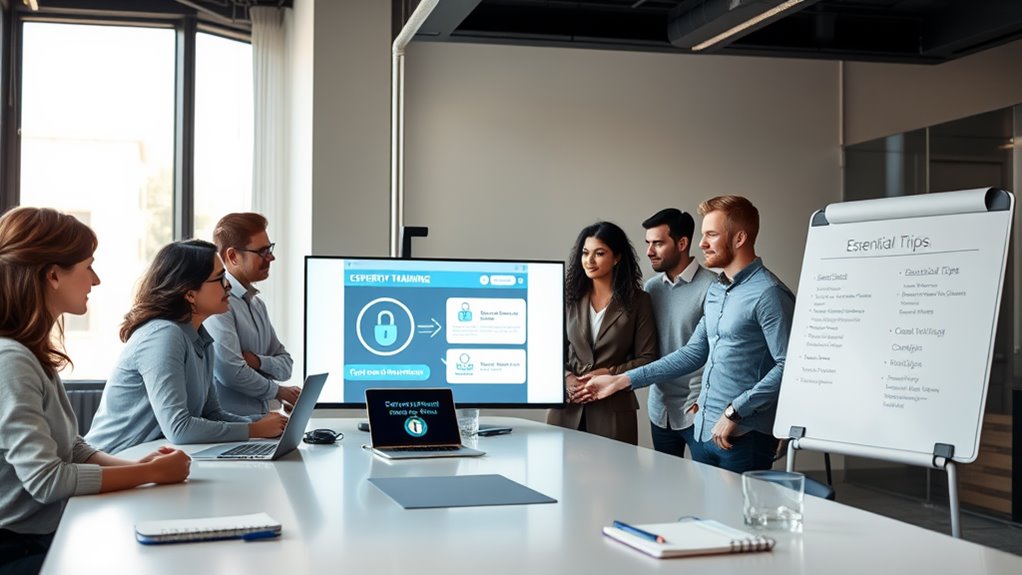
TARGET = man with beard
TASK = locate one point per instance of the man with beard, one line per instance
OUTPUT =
(677, 293)
(250, 360)
(742, 339)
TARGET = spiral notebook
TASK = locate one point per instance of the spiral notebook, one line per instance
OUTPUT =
(248, 527)
(692, 537)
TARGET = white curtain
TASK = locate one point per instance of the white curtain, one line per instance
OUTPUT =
(271, 62)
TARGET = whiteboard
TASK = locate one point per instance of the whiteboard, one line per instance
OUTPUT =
(894, 323)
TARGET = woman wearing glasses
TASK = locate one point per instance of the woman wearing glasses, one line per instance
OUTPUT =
(45, 272)
(162, 385)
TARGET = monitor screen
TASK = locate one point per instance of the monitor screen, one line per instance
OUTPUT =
(492, 331)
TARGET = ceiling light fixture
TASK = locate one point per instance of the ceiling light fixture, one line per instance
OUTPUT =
(747, 24)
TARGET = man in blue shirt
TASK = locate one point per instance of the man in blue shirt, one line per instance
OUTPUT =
(677, 294)
(250, 360)
(741, 342)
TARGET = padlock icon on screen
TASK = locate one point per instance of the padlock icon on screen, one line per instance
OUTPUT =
(465, 313)
(385, 333)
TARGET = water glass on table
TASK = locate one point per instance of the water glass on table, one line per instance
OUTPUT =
(468, 424)
(773, 499)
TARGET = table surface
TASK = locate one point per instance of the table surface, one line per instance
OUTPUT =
(335, 521)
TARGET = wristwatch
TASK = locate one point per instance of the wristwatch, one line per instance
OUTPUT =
(730, 413)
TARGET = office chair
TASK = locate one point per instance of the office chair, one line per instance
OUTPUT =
(819, 489)
(84, 397)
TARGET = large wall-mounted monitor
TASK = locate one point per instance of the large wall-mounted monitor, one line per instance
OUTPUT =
(492, 331)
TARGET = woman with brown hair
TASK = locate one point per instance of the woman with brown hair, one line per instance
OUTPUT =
(162, 385)
(46, 271)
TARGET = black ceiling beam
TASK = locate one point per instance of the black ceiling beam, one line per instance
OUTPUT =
(965, 27)
(857, 34)
(140, 8)
(692, 24)
(445, 18)
(154, 9)
(907, 31)
(564, 22)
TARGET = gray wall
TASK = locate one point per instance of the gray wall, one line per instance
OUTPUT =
(885, 99)
(511, 150)
(351, 128)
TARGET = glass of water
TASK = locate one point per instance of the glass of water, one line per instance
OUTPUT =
(773, 499)
(468, 423)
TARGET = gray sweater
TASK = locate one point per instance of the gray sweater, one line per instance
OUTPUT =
(42, 458)
(677, 308)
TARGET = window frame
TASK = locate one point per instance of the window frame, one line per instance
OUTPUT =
(185, 21)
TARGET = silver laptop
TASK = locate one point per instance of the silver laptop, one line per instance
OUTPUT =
(270, 450)
(415, 423)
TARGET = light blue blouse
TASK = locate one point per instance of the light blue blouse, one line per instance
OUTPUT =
(163, 387)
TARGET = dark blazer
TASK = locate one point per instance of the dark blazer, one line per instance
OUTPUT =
(626, 340)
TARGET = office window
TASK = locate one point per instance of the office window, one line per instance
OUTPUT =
(223, 130)
(97, 138)
(98, 128)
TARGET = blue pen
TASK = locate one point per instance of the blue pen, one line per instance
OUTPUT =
(255, 535)
(639, 532)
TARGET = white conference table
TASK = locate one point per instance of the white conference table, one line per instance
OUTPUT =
(335, 521)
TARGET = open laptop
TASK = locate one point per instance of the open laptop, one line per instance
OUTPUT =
(270, 450)
(415, 423)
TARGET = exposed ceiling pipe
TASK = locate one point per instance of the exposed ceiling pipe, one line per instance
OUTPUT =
(397, 122)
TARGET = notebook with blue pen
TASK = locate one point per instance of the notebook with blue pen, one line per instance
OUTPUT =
(248, 527)
(688, 538)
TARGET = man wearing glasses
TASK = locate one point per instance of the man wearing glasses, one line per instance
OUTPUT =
(250, 360)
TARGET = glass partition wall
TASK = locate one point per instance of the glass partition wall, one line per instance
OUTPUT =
(974, 152)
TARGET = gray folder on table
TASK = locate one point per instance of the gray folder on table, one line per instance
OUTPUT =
(457, 491)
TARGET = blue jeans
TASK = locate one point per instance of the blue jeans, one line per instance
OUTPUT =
(752, 451)
(672, 441)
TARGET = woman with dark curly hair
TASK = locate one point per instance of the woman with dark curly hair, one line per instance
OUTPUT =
(610, 329)
(162, 385)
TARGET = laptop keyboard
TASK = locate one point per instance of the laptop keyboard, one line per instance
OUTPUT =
(427, 448)
(250, 450)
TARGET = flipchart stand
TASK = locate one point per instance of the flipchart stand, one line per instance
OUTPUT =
(892, 338)
(941, 458)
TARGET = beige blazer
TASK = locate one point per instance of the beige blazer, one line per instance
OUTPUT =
(626, 340)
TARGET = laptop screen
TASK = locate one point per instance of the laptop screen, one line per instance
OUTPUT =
(302, 412)
(412, 417)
